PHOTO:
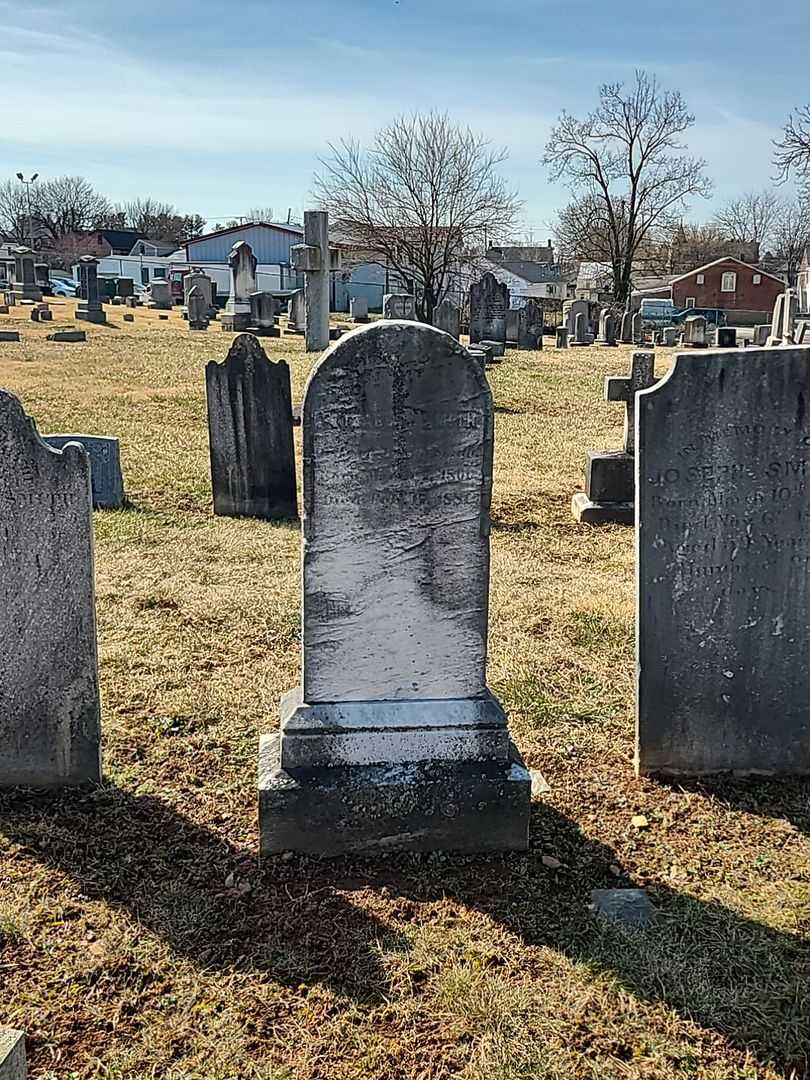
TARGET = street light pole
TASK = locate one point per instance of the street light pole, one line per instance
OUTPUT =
(28, 184)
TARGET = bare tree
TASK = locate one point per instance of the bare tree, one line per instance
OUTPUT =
(791, 236)
(14, 223)
(157, 220)
(749, 217)
(69, 204)
(792, 156)
(622, 165)
(423, 196)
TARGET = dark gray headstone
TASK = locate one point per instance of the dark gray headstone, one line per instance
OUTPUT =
(126, 287)
(9, 335)
(104, 452)
(197, 308)
(626, 332)
(609, 474)
(89, 309)
(68, 335)
(263, 312)
(561, 337)
(512, 320)
(727, 337)
(530, 326)
(250, 434)
(49, 699)
(358, 309)
(447, 317)
(489, 303)
(397, 432)
(723, 450)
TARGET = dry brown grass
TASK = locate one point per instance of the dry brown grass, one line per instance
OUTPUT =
(138, 935)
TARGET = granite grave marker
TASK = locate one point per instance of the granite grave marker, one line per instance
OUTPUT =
(489, 303)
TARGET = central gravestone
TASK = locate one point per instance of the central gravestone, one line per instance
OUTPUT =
(489, 303)
(49, 698)
(723, 461)
(394, 740)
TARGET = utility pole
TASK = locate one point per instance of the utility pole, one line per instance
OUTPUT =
(28, 184)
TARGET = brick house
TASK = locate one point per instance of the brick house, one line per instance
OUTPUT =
(728, 285)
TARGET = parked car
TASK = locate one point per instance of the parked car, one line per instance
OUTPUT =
(60, 287)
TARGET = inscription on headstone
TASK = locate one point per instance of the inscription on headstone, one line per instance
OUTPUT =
(250, 434)
(723, 491)
(399, 306)
(49, 699)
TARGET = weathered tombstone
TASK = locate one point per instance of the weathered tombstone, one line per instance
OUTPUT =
(626, 331)
(512, 323)
(125, 287)
(314, 259)
(784, 319)
(128, 316)
(25, 282)
(358, 309)
(669, 336)
(104, 451)
(49, 698)
(530, 326)
(580, 338)
(561, 337)
(68, 335)
(489, 303)
(9, 335)
(694, 331)
(637, 329)
(263, 311)
(394, 740)
(13, 1064)
(629, 907)
(447, 317)
(573, 308)
(726, 337)
(242, 264)
(89, 308)
(609, 474)
(296, 313)
(399, 306)
(160, 296)
(42, 276)
(250, 434)
(131, 301)
(723, 552)
(496, 349)
(607, 330)
(197, 308)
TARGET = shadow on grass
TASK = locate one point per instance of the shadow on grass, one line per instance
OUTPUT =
(514, 526)
(784, 797)
(740, 978)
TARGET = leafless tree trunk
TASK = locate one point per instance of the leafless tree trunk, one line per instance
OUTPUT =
(422, 198)
(621, 163)
(791, 236)
(792, 156)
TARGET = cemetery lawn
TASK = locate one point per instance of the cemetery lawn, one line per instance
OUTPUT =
(139, 937)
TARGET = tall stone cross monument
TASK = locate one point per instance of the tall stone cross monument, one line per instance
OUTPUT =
(314, 260)
(609, 495)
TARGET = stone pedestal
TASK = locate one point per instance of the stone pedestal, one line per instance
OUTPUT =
(25, 283)
(561, 337)
(263, 315)
(91, 312)
(235, 322)
(609, 489)
(416, 806)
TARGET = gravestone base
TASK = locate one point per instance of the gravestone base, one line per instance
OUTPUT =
(265, 331)
(592, 513)
(91, 314)
(294, 329)
(235, 322)
(366, 809)
(497, 349)
(609, 497)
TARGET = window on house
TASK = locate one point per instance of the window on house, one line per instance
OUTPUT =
(690, 301)
(159, 272)
(757, 278)
(701, 279)
(729, 283)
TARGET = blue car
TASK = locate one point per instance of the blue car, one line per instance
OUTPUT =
(61, 287)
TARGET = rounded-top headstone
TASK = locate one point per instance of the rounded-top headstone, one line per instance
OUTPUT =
(397, 483)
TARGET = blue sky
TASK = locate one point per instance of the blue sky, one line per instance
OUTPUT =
(218, 106)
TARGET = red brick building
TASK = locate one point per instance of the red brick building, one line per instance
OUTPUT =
(727, 284)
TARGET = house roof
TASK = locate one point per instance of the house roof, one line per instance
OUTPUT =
(295, 230)
(725, 259)
(162, 247)
(531, 272)
(121, 238)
